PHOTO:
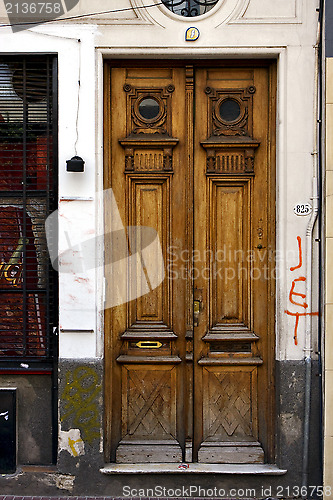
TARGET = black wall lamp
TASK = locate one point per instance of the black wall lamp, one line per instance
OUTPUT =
(75, 164)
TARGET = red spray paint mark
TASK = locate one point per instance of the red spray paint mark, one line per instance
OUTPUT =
(293, 295)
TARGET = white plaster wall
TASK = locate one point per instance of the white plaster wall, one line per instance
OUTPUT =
(233, 29)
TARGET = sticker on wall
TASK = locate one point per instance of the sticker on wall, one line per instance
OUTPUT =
(192, 34)
(302, 209)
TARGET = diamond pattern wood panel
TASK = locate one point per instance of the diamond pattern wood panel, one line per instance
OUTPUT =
(149, 403)
(229, 405)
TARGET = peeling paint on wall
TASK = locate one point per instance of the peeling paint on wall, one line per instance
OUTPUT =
(80, 403)
(65, 482)
(292, 428)
(72, 442)
(60, 481)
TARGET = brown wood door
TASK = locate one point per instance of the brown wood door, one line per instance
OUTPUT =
(189, 152)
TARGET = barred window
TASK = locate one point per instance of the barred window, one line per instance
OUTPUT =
(28, 194)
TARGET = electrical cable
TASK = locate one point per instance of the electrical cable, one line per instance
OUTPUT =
(80, 16)
(78, 101)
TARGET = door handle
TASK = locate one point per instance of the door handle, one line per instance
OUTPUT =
(196, 312)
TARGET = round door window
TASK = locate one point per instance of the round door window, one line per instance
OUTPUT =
(229, 110)
(190, 8)
(149, 108)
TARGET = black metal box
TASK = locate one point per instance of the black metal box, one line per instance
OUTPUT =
(7, 431)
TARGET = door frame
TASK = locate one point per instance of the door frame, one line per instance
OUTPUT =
(271, 64)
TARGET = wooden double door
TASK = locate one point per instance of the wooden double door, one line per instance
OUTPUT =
(189, 152)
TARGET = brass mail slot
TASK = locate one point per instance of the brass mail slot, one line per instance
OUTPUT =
(149, 344)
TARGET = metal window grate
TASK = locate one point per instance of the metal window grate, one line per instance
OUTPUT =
(189, 8)
(28, 189)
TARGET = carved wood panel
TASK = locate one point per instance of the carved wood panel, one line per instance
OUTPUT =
(238, 123)
(149, 402)
(230, 404)
(149, 206)
(137, 123)
(229, 157)
(230, 242)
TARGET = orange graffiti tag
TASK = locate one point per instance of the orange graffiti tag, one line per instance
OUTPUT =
(297, 316)
(299, 265)
(293, 295)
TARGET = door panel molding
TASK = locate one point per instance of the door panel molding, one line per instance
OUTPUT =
(230, 205)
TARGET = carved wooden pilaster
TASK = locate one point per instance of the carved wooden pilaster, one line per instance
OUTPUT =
(189, 90)
(249, 160)
(129, 159)
(211, 160)
(167, 159)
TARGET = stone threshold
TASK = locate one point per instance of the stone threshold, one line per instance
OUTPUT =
(193, 468)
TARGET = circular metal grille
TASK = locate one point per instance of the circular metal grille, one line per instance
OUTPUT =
(189, 8)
